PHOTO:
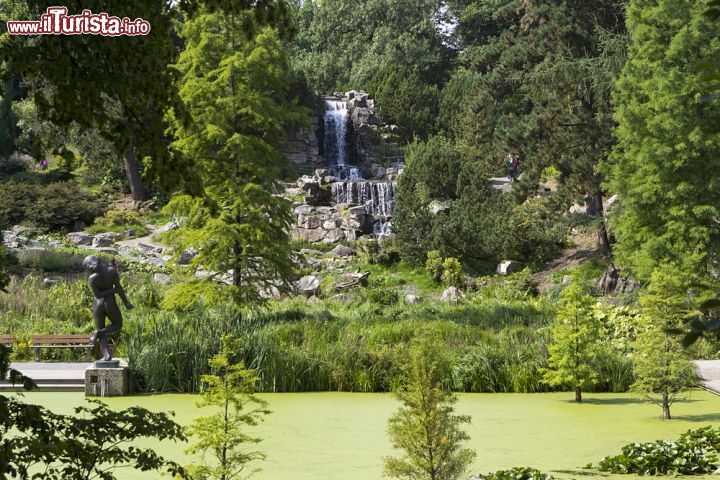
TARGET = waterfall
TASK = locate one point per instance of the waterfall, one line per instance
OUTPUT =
(335, 120)
(382, 229)
(354, 174)
(378, 198)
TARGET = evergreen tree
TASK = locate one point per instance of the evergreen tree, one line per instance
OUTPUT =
(230, 389)
(574, 339)
(236, 92)
(426, 429)
(662, 367)
(666, 167)
(544, 93)
(344, 44)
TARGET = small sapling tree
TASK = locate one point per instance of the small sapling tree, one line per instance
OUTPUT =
(426, 429)
(662, 367)
(575, 337)
(223, 436)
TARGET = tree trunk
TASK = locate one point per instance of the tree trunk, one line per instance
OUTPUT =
(603, 239)
(666, 408)
(578, 395)
(137, 189)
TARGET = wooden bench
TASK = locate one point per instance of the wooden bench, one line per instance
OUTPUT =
(61, 341)
(6, 340)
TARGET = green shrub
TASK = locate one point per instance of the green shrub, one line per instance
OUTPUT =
(49, 261)
(389, 254)
(119, 221)
(383, 296)
(55, 206)
(368, 250)
(434, 265)
(452, 272)
(14, 164)
(663, 457)
(517, 473)
(516, 286)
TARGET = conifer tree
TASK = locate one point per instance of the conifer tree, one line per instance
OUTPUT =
(666, 167)
(662, 368)
(574, 338)
(426, 429)
(223, 436)
(236, 92)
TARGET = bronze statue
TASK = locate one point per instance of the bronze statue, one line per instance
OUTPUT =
(105, 283)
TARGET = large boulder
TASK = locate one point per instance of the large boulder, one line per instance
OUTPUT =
(105, 239)
(340, 251)
(162, 279)
(437, 207)
(311, 235)
(411, 299)
(79, 238)
(308, 286)
(334, 235)
(452, 295)
(507, 267)
(187, 256)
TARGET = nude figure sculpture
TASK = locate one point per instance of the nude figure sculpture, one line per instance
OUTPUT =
(105, 283)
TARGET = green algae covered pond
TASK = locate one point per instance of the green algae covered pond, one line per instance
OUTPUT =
(337, 436)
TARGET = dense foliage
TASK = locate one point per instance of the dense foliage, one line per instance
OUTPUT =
(51, 207)
(665, 165)
(240, 112)
(662, 457)
(517, 473)
(93, 443)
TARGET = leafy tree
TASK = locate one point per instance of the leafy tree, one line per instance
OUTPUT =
(236, 92)
(665, 167)
(93, 443)
(574, 338)
(662, 367)
(426, 429)
(120, 87)
(230, 389)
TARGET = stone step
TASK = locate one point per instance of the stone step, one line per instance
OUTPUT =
(45, 387)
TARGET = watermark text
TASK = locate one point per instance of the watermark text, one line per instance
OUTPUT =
(56, 21)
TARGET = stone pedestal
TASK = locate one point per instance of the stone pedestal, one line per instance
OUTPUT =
(106, 381)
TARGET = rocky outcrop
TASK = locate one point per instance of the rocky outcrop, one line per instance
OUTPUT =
(303, 147)
(308, 286)
(613, 282)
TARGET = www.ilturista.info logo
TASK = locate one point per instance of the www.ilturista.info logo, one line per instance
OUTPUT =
(56, 21)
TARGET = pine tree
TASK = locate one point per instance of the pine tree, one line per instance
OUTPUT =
(662, 367)
(574, 338)
(666, 167)
(426, 429)
(223, 435)
(236, 92)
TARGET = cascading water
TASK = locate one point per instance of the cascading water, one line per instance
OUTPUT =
(336, 120)
(377, 197)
